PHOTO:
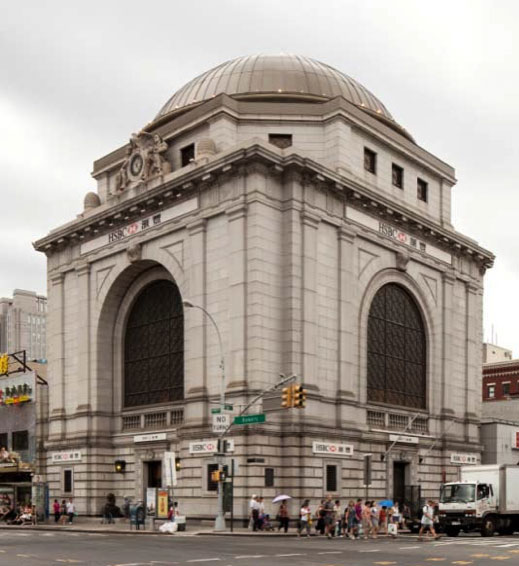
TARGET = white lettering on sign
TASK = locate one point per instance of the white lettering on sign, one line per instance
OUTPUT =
(221, 422)
(66, 457)
(403, 438)
(140, 225)
(460, 458)
(208, 447)
(150, 437)
(395, 233)
(332, 449)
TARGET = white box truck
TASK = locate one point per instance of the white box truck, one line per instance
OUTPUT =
(486, 499)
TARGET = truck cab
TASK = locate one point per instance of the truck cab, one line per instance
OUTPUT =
(464, 504)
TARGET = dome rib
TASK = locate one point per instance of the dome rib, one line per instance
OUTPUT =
(289, 77)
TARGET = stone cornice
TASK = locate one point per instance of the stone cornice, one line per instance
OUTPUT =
(177, 186)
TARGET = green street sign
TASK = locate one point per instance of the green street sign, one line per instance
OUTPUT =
(216, 411)
(228, 407)
(249, 419)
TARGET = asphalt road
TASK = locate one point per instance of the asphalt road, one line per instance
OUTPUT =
(33, 548)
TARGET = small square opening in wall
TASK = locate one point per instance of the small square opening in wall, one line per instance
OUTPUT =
(187, 154)
(421, 189)
(281, 140)
(370, 161)
(397, 176)
(269, 477)
(20, 440)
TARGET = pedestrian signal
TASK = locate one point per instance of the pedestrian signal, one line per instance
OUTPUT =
(216, 476)
(299, 397)
(4, 363)
(286, 397)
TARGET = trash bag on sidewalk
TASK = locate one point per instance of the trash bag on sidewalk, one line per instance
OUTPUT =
(168, 527)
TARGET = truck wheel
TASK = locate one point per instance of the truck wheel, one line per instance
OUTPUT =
(489, 527)
(452, 531)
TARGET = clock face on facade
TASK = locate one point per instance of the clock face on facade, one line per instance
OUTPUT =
(136, 164)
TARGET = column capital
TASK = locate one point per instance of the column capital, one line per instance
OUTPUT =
(82, 269)
(346, 234)
(57, 279)
(198, 226)
(449, 277)
(239, 210)
(310, 219)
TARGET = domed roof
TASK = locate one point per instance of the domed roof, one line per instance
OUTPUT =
(278, 77)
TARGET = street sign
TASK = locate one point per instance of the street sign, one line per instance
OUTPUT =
(228, 407)
(249, 419)
(216, 411)
(221, 422)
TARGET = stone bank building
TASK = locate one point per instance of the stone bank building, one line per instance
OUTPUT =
(281, 196)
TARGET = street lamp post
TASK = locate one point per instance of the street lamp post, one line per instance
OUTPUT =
(219, 524)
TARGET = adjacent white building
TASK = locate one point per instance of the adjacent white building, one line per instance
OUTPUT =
(280, 195)
(23, 324)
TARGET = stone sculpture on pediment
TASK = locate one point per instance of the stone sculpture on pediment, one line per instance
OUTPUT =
(144, 160)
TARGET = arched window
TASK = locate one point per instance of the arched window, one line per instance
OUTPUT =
(154, 347)
(396, 349)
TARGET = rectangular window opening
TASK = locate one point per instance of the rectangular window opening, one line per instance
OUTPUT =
(20, 440)
(211, 485)
(331, 478)
(281, 140)
(68, 481)
(421, 190)
(506, 388)
(187, 154)
(397, 176)
(3, 440)
(370, 161)
(491, 391)
(269, 477)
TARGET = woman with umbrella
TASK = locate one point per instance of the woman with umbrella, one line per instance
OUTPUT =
(282, 516)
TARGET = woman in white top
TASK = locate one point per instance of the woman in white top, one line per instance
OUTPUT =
(305, 518)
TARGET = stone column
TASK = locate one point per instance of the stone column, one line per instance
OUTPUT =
(195, 322)
(57, 359)
(473, 360)
(348, 370)
(237, 219)
(310, 223)
(448, 386)
(84, 345)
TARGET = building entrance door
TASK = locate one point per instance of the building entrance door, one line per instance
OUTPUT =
(399, 480)
(154, 474)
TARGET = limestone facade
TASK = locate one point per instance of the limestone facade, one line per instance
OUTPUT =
(286, 247)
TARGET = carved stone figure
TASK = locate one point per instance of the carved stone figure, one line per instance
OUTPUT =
(144, 160)
(134, 253)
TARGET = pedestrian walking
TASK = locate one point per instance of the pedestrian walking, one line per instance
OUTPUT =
(320, 514)
(428, 521)
(71, 511)
(374, 520)
(255, 513)
(305, 518)
(329, 520)
(337, 518)
(382, 520)
(63, 511)
(351, 521)
(56, 507)
(283, 516)
(366, 519)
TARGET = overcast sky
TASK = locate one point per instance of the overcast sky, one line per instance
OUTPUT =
(78, 77)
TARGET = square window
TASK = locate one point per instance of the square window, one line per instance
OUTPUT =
(281, 140)
(211, 485)
(20, 440)
(397, 176)
(331, 478)
(269, 477)
(491, 391)
(421, 189)
(370, 161)
(187, 154)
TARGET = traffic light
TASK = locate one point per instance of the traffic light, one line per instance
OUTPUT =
(216, 476)
(177, 464)
(299, 397)
(4, 363)
(287, 399)
(120, 466)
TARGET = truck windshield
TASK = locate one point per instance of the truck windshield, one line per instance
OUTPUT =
(457, 493)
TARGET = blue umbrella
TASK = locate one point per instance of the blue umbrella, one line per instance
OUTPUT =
(386, 503)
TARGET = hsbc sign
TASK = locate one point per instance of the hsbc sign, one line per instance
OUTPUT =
(332, 449)
(208, 447)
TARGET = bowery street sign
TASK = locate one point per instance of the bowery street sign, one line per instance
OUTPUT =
(250, 419)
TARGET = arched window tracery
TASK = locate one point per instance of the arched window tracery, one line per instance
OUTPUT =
(396, 349)
(154, 347)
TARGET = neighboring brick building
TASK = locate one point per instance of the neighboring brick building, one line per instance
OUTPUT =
(500, 380)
